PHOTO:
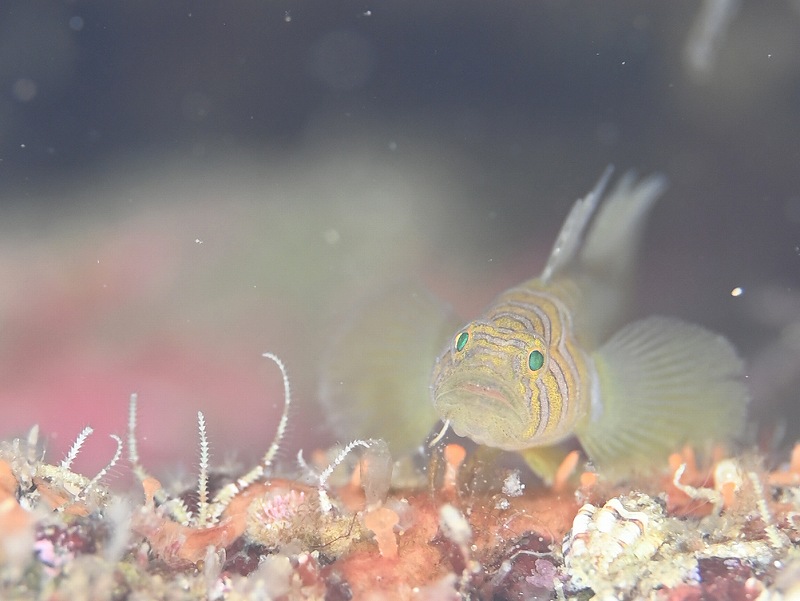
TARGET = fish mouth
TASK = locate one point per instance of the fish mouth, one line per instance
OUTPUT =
(478, 390)
(484, 414)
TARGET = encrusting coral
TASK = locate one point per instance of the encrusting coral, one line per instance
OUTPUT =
(723, 529)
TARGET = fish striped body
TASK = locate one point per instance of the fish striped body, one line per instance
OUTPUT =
(541, 364)
(564, 382)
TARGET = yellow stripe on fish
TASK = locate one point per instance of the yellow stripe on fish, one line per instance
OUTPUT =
(541, 364)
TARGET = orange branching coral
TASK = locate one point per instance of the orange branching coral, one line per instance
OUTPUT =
(180, 545)
(685, 479)
(737, 487)
(790, 476)
(263, 507)
(369, 481)
(56, 486)
(13, 518)
(382, 522)
(419, 559)
(57, 498)
(454, 455)
(8, 483)
(727, 482)
(565, 471)
(588, 480)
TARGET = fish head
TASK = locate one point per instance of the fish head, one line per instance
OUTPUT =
(486, 383)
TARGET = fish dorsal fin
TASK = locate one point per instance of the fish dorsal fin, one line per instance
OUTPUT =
(604, 266)
(612, 241)
(661, 383)
(571, 234)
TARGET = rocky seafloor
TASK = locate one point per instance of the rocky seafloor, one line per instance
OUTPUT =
(341, 526)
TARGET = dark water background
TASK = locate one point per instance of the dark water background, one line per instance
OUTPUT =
(185, 185)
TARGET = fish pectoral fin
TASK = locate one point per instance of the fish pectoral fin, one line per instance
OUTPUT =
(374, 379)
(663, 383)
(545, 461)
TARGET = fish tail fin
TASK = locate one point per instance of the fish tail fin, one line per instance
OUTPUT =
(662, 383)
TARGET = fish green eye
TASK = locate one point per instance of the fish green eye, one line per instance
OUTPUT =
(461, 341)
(535, 360)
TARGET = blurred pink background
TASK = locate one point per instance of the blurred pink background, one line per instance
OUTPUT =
(183, 189)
